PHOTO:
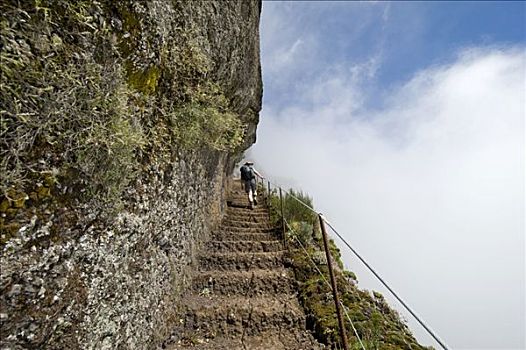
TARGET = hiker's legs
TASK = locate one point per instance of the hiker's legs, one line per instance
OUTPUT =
(248, 190)
(253, 187)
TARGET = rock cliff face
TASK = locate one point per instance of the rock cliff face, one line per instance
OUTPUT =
(120, 123)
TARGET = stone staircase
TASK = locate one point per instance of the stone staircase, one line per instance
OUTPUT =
(243, 296)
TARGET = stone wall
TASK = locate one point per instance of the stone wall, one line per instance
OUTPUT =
(77, 274)
(113, 284)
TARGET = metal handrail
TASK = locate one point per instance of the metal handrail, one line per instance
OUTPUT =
(330, 286)
(333, 284)
(323, 219)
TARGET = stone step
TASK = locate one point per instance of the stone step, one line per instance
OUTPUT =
(235, 316)
(240, 214)
(245, 283)
(245, 236)
(293, 340)
(258, 209)
(235, 229)
(252, 217)
(244, 197)
(241, 261)
(261, 199)
(239, 188)
(245, 210)
(262, 223)
(244, 246)
(243, 202)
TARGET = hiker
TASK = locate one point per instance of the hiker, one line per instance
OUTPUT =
(248, 177)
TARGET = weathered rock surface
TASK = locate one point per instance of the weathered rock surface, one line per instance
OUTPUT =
(78, 276)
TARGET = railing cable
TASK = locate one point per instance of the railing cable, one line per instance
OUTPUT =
(300, 201)
(387, 286)
(326, 282)
(429, 331)
(352, 324)
(293, 196)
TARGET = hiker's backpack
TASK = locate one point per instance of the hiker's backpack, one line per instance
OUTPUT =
(247, 173)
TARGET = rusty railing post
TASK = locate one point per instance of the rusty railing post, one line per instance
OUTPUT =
(268, 198)
(343, 332)
(282, 217)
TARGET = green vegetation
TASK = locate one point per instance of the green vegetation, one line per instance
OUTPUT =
(378, 326)
(90, 94)
(206, 120)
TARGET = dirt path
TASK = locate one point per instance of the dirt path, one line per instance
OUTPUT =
(244, 297)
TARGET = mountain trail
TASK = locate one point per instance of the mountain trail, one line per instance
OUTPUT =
(243, 296)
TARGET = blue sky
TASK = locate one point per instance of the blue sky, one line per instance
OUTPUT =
(443, 28)
(403, 37)
(405, 121)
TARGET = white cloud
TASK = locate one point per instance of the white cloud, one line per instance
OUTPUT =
(294, 42)
(284, 56)
(366, 70)
(430, 189)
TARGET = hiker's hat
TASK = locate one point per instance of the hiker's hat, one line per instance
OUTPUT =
(249, 162)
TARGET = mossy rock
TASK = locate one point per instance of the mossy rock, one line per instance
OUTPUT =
(33, 196)
(145, 80)
(10, 230)
(20, 202)
(4, 205)
(11, 212)
(16, 199)
(43, 192)
(378, 295)
(49, 180)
